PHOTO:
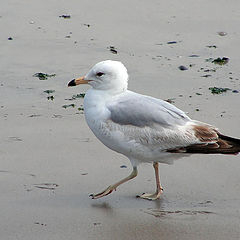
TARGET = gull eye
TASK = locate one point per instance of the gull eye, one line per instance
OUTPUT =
(99, 74)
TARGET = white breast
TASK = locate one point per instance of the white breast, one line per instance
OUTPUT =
(97, 116)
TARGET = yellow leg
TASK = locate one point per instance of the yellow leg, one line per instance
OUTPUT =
(159, 188)
(109, 189)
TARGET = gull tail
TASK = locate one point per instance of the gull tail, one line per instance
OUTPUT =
(222, 145)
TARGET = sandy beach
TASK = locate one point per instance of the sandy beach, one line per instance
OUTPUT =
(49, 159)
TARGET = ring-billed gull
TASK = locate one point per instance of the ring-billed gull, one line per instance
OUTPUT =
(143, 128)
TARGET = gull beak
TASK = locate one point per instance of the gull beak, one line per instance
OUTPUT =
(77, 81)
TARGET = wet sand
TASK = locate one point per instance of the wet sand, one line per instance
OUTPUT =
(50, 161)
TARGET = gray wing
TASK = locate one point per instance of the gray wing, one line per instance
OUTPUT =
(141, 111)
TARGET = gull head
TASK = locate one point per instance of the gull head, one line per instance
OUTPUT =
(106, 75)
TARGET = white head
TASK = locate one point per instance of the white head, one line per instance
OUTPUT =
(105, 75)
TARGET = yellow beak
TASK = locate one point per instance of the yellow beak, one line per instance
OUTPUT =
(77, 81)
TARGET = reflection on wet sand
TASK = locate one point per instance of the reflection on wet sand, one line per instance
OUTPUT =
(102, 206)
(174, 213)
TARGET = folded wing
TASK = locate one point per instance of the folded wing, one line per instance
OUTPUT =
(158, 124)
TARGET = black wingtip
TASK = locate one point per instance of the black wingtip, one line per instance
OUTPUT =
(72, 83)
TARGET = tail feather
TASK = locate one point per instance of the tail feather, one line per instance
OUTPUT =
(222, 145)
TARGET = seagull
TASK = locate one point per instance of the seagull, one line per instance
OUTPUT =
(143, 128)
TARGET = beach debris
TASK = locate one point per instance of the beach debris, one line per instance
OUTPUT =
(209, 70)
(206, 75)
(69, 105)
(84, 174)
(49, 91)
(221, 61)
(183, 68)
(79, 95)
(218, 90)
(211, 46)
(41, 224)
(35, 115)
(123, 166)
(65, 16)
(170, 100)
(80, 109)
(222, 113)
(235, 91)
(74, 97)
(194, 55)
(172, 42)
(46, 186)
(206, 202)
(10, 38)
(43, 76)
(96, 223)
(113, 49)
(87, 25)
(199, 94)
(222, 34)
(50, 97)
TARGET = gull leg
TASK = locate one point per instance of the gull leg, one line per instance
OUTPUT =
(109, 189)
(159, 188)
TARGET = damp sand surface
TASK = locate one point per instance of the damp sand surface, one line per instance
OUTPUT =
(50, 161)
